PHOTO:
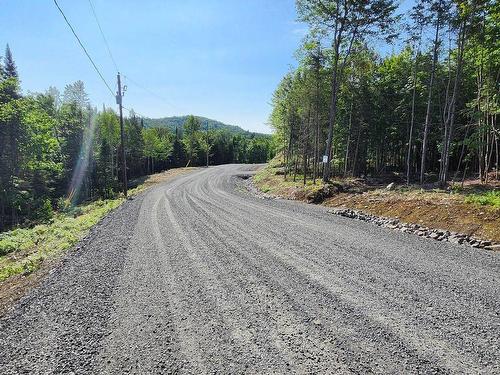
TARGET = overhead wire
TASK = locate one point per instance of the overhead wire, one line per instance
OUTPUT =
(116, 65)
(144, 88)
(103, 36)
(134, 111)
(151, 92)
(84, 49)
(111, 57)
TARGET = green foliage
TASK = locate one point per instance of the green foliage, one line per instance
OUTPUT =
(135, 145)
(33, 245)
(58, 149)
(158, 145)
(178, 157)
(191, 139)
(43, 211)
(373, 101)
(490, 198)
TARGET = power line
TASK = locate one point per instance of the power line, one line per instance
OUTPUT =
(110, 54)
(116, 66)
(151, 92)
(103, 37)
(84, 49)
(144, 88)
(134, 111)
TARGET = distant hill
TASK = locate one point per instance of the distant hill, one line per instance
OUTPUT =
(178, 121)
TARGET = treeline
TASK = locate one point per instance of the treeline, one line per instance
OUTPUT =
(58, 150)
(427, 112)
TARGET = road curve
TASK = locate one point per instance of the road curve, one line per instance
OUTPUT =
(199, 276)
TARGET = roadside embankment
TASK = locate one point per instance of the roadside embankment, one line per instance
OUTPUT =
(472, 212)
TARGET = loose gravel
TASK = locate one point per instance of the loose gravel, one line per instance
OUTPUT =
(198, 276)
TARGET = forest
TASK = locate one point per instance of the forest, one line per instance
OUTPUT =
(425, 112)
(56, 149)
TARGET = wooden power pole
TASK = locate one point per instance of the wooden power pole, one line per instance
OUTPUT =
(208, 146)
(119, 96)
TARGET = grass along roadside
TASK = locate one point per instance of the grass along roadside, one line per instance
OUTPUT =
(473, 210)
(270, 180)
(24, 250)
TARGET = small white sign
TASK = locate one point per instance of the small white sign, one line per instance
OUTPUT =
(325, 158)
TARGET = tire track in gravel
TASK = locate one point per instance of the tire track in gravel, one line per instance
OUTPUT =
(292, 263)
(238, 271)
(433, 343)
(228, 278)
(203, 278)
(316, 258)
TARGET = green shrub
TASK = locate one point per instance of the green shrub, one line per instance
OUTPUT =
(16, 240)
(30, 246)
(45, 213)
(490, 198)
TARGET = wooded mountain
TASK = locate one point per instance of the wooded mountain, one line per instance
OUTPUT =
(178, 121)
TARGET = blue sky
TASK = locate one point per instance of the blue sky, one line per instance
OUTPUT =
(220, 59)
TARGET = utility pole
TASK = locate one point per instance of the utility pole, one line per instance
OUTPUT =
(119, 96)
(208, 145)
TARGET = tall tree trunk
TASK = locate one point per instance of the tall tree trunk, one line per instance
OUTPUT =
(331, 118)
(412, 121)
(462, 153)
(289, 150)
(429, 100)
(337, 74)
(497, 157)
(450, 119)
(296, 162)
(346, 158)
(317, 67)
(305, 149)
(489, 155)
(446, 103)
(316, 146)
(355, 160)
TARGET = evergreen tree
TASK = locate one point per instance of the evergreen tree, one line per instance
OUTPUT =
(2, 70)
(10, 66)
(75, 93)
(10, 88)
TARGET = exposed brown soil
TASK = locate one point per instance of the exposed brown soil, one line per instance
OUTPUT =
(431, 209)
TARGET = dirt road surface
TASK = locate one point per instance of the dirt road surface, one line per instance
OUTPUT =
(198, 276)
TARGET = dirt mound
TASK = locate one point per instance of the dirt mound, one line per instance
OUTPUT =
(326, 191)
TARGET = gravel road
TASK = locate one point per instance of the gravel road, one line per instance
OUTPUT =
(198, 276)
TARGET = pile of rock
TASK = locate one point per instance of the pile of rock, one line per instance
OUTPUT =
(435, 234)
